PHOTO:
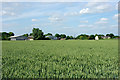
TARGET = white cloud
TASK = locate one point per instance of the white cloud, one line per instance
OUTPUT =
(97, 7)
(114, 26)
(116, 16)
(102, 21)
(93, 8)
(4, 12)
(85, 26)
(84, 11)
(103, 7)
(92, 4)
(55, 19)
(8, 13)
(24, 15)
(34, 20)
(83, 21)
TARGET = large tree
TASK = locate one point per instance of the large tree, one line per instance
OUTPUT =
(49, 34)
(68, 37)
(57, 35)
(82, 36)
(37, 34)
(63, 36)
(111, 35)
(92, 37)
(5, 36)
(71, 37)
(31, 34)
(26, 35)
(107, 34)
(11, 34)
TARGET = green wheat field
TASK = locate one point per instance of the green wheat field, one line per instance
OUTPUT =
(60, 59)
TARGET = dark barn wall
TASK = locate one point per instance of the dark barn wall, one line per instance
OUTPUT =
(20, 38)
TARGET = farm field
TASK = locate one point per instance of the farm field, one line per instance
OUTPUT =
(60, 59)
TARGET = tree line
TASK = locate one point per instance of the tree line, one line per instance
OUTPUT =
(5, 35)
(39, 35)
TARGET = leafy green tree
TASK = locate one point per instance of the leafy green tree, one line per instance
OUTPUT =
(78, 37)
(71, 37)
(63, 36)
(92, 37)
(100, 36)
(11, 34)
(107, 34)
(57, 35)
(5, 36)
(31, 34)
(96, 35)
(26, 35)
(48, 34)
(0, 36)
(68, 37)
(82, 36)
(111, 35)
(37, 34)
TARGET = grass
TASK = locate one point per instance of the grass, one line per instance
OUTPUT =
(60, 59)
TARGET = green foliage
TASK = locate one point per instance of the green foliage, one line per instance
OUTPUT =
(68, 37)
(111, 35)
(57, 35)
(0, 36)
(92, 37)
(100, 36)
(107, 35)
(60, 59)
(48, 34)
(5, 36)
(31, 34)
(26, 35)
(63, 36)
(83, 37)
(38, 34)
(71, 37)
(11, 34)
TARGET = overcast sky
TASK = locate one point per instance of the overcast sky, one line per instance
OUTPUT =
(70, 18)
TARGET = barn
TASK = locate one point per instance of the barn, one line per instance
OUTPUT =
(51, 37)
(13, 38)
(30, 38)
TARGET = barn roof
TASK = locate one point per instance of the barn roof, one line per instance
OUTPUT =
(15, 36)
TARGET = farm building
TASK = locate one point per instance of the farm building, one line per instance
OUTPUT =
(18, 38)
(51, 37)
(105, 37)
(30, 38)
(62, 39)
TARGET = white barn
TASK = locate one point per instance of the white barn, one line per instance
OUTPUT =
(51, 37)
(14, 38)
